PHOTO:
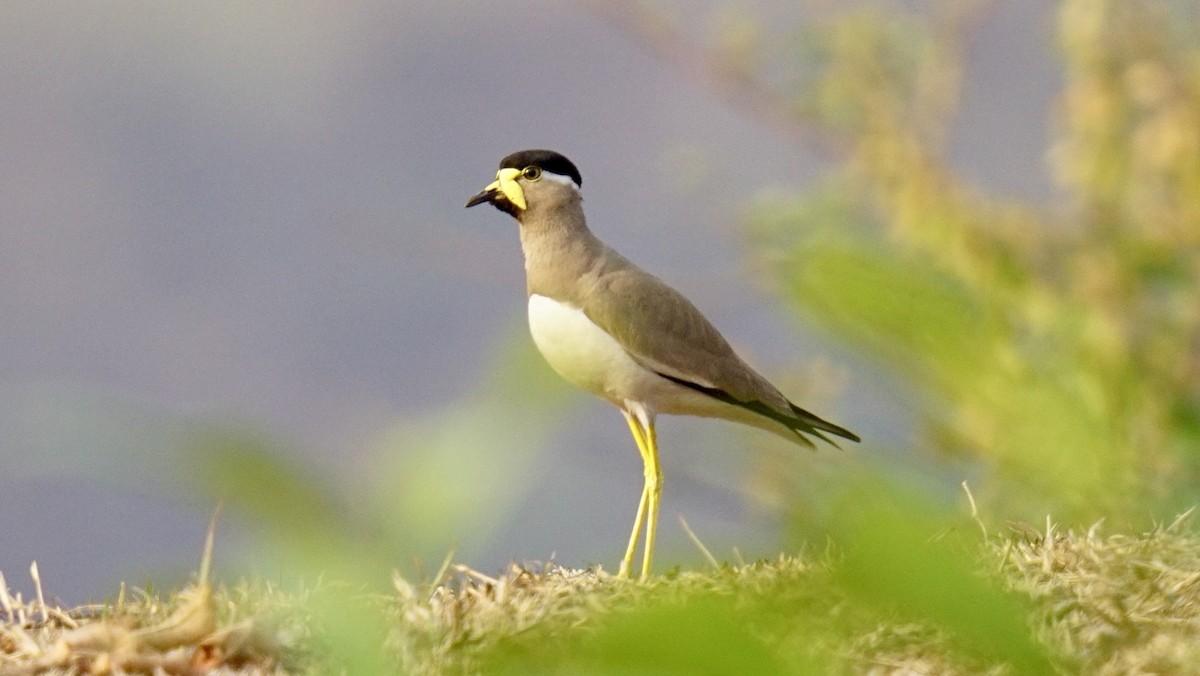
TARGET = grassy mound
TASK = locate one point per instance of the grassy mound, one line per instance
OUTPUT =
(1092, 603)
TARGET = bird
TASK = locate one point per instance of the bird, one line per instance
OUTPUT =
(612, 329)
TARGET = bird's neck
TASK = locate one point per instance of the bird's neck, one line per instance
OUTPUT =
(560, 250)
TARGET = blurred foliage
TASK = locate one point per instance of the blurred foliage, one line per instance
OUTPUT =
(901, 554)
(1059, 344)
(696, 635)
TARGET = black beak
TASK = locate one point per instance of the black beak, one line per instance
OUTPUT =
(481, 197)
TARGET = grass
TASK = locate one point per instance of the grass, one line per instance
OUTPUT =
(1091, 603)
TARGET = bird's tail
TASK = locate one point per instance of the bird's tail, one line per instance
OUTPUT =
(808, 423)
(800, 422)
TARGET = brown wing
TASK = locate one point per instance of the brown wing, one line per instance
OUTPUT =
(664, 332)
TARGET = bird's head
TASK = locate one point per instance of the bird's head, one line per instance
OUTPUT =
(529, 178)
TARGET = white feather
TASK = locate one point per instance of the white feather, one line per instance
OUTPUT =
(559, 178)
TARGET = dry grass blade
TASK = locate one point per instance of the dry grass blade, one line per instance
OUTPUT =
(974, 509)
(712, 560)
(195, 617)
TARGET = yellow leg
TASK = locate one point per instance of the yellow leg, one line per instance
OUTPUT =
(639, 438)
(627, 562)
(648, 506)
(654, 482)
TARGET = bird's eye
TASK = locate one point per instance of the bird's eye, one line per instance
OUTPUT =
(532, 173)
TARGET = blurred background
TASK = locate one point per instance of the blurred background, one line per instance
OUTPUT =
(232, 247)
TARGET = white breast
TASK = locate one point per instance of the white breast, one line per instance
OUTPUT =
(582, 352)
(587, 356)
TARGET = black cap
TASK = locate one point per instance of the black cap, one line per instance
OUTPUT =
(548, 160)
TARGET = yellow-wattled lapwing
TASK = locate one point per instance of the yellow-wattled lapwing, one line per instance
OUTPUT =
(620, 333)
